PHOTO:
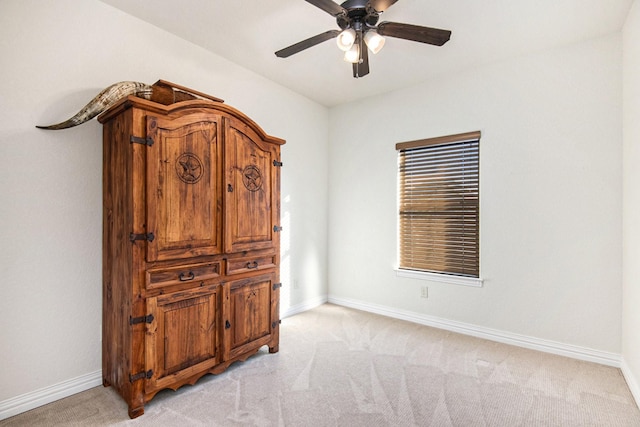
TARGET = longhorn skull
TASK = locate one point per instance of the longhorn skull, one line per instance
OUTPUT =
(103, 101)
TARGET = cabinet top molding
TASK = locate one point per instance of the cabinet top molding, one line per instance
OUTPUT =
(169, 98)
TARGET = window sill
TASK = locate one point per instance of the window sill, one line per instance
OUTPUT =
(438, 277)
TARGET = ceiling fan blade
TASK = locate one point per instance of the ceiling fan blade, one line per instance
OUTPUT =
(306, 44)
(329, 6)
(361, 69)
(381, 5)
(414, 33)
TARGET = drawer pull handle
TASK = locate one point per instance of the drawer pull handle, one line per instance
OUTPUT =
(252, 265)
(186, 278)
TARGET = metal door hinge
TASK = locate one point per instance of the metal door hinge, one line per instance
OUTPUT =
(277, 163)
(277, 228)
(276, 286)
(141, 375)
(141, 319)
(274, 324)
(142, 236)
(148, 141)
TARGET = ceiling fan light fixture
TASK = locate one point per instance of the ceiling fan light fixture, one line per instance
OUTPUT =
(346, 39)
(359, 31)
(353, 54)
(374, 41)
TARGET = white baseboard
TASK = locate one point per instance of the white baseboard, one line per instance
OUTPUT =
(553, 347)
(25, 402)
(631, 380)
(307, 305)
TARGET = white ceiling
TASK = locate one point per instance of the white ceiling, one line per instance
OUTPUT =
(249, 32)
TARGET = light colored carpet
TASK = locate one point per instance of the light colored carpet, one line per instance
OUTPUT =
(343, 367)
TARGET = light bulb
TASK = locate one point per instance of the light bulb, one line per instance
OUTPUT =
(353, 54)
(374, 41)
(346, 39)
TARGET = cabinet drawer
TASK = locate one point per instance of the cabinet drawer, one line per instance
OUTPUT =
(183, 274)
(249, 263)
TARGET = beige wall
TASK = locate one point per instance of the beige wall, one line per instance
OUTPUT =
(551, 196)
(631, 210)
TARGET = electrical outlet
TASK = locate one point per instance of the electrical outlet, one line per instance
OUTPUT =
(295, 284)
(424, 292)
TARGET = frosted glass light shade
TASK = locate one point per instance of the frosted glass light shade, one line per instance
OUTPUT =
(374, 41)
(346, 39)
(353, 54)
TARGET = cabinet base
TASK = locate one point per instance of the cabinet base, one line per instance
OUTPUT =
(138, 410)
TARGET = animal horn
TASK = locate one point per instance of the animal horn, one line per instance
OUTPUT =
(103, 101)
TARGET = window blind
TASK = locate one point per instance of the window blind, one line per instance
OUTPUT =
(439, 205)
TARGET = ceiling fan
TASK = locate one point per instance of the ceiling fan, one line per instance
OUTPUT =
(358, 21)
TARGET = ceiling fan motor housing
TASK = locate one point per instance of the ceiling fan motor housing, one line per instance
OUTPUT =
(358, 13)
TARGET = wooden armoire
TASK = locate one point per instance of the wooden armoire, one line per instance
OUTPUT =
(190, 241)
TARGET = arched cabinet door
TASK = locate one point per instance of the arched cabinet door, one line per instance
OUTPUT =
(184, 198)
(252, 177)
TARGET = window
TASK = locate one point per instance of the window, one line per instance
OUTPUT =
(439, 205)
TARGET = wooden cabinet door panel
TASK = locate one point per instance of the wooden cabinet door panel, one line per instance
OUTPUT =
(183, 338)
(251, 190)
(250, 314)
(184, 172)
